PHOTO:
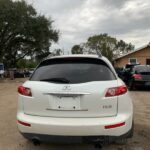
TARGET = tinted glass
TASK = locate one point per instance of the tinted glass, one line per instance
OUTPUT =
(1, 67)
(75, 70)
(142, 69)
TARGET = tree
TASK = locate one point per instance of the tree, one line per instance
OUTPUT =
(108, 46)
(40, 57)
(103, 43)
(57, 52)
(76, 49)
(123, 47)
(23, 32)
(26, 63)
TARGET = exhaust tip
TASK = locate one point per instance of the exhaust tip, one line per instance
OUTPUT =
(36, 141)
(98, 146)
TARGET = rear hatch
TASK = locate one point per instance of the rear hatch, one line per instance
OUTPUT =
(145, 76)
(71, 88)
(144, 71)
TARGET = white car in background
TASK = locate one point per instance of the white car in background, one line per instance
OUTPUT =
(75, 98)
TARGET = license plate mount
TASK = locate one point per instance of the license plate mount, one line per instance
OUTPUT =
(66, 103)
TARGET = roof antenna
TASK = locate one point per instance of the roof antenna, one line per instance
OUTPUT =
(98, 52)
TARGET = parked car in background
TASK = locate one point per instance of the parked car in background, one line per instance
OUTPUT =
(77, 98)
(125, 73)
(1, 70)
(139, 77)
(18, 74)
(31, 70)
(120, 72)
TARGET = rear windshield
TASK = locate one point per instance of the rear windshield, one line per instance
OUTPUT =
(142, 69)
(73, 71)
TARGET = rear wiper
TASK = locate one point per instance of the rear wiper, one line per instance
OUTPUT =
(61, 80)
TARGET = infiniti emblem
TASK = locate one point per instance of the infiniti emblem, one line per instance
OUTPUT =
(66, 87)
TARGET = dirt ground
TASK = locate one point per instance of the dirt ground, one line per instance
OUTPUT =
(10, 139)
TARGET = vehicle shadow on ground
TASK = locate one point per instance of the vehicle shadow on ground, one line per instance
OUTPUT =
(49, 146)
(138, 142)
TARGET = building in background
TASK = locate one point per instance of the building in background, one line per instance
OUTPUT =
(140, 55)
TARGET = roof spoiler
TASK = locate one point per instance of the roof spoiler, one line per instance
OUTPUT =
(85, 51)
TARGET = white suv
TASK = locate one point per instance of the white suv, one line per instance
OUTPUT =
(76, 98)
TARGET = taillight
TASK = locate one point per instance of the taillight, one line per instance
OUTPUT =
(137, 76)
(24, 91)
(116, 91)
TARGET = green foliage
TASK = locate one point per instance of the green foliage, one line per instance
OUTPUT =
(57, 52)
(109, 46)
(124, 47)
(26, 63)
(23, 32)
(39, 57)
(103, 43)
(76, 49)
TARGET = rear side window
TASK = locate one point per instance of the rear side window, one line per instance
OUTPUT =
(142, 69)
(73, 70)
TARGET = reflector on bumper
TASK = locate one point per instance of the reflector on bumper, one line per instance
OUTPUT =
(115, 125)
(24, 123)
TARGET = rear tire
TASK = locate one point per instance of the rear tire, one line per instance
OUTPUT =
(123, 140)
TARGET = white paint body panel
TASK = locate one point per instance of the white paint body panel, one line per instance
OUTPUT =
(89, 105)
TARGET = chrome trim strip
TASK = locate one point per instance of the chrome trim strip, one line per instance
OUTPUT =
(67, 109)
(66, 94)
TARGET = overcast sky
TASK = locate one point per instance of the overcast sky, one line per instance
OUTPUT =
(78, 19)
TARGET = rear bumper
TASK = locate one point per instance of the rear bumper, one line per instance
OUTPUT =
(142, 83)
(74, 126)
(75, 139)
